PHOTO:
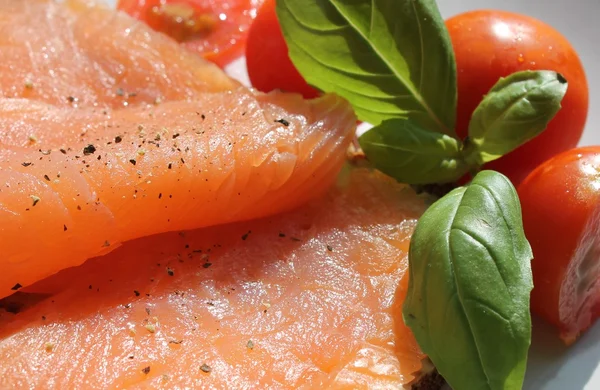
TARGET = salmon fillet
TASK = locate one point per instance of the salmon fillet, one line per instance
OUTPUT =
(80, 176)
(82, 54)
(307, 299)
(111, 133)
(182, 165)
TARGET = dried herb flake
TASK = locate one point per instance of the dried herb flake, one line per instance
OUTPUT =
(35, 199)
(49, 347)
(205, 368)
(90, 149)
(150, 328)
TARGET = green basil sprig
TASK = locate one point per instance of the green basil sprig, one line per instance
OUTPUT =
(388, 58)
(393, 59)
(469, 286)
(517, 109)
(470, 277)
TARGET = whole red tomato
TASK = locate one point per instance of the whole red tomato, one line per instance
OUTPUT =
(561, 215)
(492, 44)
(267, 58)
(216, 29)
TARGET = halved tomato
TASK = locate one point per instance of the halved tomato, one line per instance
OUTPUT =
(561, 215)
(216, 29)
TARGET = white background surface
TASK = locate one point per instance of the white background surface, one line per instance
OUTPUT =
(551, 365)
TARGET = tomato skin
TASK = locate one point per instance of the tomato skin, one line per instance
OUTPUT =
(227, 23)
(491, 44)
(267, 59)
(560, 202)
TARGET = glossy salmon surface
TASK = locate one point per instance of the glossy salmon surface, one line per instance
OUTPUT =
(306, 299)
(79, 178)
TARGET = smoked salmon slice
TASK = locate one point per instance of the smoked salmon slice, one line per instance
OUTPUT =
(221, 254)
(221, 158)
(303, 300)
(80, 53)
(112, 132)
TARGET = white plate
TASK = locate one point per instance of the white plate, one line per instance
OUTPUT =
(551, 365)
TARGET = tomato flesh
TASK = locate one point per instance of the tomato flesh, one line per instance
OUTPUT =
(561, 215)
(216, 29)
(492, 44)
(267, 59)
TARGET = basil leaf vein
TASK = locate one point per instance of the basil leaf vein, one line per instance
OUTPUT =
(388, 58)
(469, 286)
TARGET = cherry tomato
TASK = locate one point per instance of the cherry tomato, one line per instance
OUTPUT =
(561, 215)
(492, 44)
(267, 59)
(217, 29)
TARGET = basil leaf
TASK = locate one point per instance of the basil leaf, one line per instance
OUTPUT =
(517, 109)
(388, 58)
(469, 286)
(405, 151)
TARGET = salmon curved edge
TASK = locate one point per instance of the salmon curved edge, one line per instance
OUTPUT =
(244, 156)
